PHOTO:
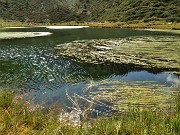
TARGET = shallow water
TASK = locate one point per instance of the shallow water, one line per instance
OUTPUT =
(30, 64)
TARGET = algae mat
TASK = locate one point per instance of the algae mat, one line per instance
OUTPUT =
(147, 52)
(151, 52)
(126, 94)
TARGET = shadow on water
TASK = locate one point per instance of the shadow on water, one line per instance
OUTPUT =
(104, 71)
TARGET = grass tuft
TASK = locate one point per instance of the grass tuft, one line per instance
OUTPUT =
(17, 118)
(6, 99)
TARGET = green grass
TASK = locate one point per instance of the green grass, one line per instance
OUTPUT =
(4, 23)
(17, 118)
(134, 24)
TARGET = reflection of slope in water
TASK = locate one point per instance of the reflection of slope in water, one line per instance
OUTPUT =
(12, 75)
(44, 66)
(45, 77)
(42, 70)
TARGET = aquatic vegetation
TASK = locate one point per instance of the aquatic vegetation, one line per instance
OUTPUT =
(10, 35)
(147, 51)
(17, 118)
(124, 95)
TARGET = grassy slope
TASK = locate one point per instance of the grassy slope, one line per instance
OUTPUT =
(129, 10)
(17, 118)
(94, 11)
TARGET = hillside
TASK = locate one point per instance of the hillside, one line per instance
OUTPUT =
(90, 10)
(37, 11)
(128, 10)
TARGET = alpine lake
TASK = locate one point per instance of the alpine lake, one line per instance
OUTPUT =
(49, 69)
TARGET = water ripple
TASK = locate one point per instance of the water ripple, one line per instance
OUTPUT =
(45, 68)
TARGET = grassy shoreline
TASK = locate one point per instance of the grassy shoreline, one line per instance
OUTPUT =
(132, 25)
(17, 118)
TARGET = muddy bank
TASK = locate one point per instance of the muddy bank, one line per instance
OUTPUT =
(146, 52)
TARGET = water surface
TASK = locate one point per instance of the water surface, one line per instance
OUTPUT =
(29, 64)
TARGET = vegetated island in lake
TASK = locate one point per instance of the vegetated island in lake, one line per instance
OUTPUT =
(148, 52)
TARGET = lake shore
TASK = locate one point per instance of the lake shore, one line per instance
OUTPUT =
(17, 117)
(131, 25)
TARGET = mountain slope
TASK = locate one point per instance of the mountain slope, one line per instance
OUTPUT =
(128, 10)
(90, 10)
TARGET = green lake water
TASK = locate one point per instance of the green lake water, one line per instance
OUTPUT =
(31, 66)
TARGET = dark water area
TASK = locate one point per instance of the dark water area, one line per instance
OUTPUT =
(30, 64)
